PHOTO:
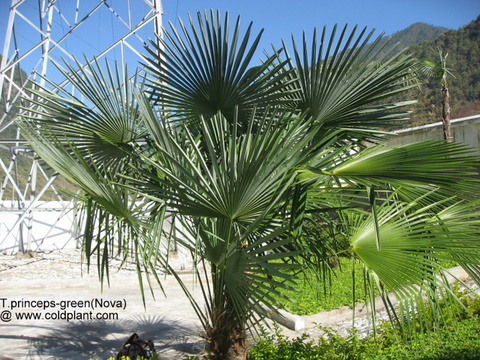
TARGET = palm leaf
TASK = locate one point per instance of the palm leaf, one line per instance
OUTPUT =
(415, 240)
(344, 81)
(202, 70)
(234, 179)
(423, 164)
(104, 125)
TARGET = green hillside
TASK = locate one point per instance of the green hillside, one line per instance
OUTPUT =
(414, 34)
(463, 48)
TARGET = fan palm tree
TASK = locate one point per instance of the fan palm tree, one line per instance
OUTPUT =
(265, 167)
(440, 71)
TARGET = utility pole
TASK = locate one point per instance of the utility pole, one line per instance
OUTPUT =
(38, 33)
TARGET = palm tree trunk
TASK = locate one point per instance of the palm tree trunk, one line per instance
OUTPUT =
(447, 129)
(226, 334)
(226, 337)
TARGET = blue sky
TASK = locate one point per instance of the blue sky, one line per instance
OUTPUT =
(279, 18)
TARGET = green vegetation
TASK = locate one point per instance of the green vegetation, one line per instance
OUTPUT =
(415, 34)
(456, 337)
(459, 341)
(463, 48)
(314, 294)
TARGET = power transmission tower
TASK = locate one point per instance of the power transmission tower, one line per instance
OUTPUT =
(39, 33)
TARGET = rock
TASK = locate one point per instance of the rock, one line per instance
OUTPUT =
(26, 254)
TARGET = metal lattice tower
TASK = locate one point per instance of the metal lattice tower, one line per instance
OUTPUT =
(33, 211)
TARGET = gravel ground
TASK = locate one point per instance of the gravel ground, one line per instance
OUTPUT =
(61, 275)
(65, 264)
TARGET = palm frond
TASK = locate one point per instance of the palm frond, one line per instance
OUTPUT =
(103, 125)
(448, 165)
(415, 242)
(344, 81)
(203, 70)
(226, 176)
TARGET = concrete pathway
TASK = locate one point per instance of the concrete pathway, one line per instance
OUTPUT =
(170, 322)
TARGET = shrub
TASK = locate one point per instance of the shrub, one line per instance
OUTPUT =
(426, 319)
(332, 346)
(456, 337)
(459, 342)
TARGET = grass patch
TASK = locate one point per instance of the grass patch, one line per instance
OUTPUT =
(316, 295)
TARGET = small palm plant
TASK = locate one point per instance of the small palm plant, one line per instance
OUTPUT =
(439, 71)
(263, 170)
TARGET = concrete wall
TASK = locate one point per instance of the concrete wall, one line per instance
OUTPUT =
(50, 225)
(465, 130)
(46, 225)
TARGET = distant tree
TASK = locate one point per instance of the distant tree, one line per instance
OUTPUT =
(440, 71)
(463, 48)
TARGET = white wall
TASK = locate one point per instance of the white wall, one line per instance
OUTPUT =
(465, 130)
(46, 226)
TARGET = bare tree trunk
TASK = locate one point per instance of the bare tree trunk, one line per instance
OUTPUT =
(226, 334)
(226, 340)
(447, 128)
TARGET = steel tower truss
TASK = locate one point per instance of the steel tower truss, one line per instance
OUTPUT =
(40, 32)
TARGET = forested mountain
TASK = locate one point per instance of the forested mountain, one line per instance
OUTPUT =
(463, 61)
(413, 35)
